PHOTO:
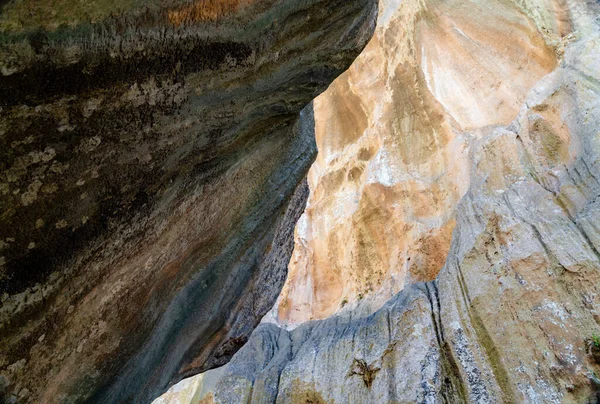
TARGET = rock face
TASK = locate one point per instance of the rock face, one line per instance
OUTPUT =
(510, 315)
(151, 172)
(393, 142)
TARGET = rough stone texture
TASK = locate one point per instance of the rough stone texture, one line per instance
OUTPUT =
(151, 173)
(509, 317)
(317, 362)
(393, 152)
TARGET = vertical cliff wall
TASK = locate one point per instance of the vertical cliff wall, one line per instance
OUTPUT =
(152, 165)
(502, 109)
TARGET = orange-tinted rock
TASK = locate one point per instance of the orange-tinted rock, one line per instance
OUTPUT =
(393, 134)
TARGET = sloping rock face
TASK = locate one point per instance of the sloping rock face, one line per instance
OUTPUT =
(151, 173)
(510, 315)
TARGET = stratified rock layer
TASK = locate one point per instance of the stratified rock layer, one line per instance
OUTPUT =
(511, 314)
(151, 174)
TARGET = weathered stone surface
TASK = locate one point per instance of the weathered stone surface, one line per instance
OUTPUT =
(509, 316)
(318, 361)
(393, 147)
(151, 172)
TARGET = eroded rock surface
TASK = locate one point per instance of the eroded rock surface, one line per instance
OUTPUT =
(153, 157)
(393, 147)
(509, 316)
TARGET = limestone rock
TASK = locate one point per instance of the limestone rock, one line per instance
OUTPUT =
(393, 138)
(153, 157)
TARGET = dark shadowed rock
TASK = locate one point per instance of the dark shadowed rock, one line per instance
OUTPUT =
(152, 167)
